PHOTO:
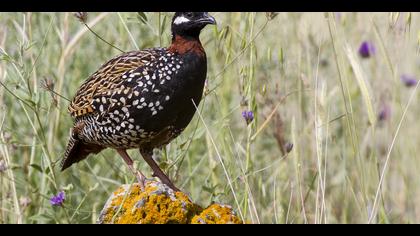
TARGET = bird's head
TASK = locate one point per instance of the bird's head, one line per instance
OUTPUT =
(189, 24)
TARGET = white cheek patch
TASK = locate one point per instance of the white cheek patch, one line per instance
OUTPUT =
(180, 20)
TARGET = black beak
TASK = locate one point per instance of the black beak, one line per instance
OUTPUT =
(208, 20)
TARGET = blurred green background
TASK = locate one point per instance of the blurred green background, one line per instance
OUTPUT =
(335, 137)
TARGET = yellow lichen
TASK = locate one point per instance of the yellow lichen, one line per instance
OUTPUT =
(158, 204)
(216, 214)
(155, 205)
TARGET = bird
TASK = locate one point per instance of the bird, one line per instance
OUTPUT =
(141, 99)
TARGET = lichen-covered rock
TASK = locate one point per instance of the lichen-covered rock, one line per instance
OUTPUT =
(158, 204)
(217, 214)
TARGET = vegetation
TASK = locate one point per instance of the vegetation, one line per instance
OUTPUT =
(295, 126)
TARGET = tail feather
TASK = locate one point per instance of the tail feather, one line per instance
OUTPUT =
(77, 150)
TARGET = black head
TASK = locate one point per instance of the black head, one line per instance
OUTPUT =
(189, 24)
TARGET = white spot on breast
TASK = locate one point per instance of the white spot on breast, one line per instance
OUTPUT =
(151, 104)
(122, 99)
(167, 98)
(141, 99)
(141, 84)
(136, 93)
(135, 102)
(154, 113)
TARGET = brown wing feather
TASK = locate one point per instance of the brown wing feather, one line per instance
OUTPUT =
(107, 78)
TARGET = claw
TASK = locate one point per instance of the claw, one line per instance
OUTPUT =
(141, 179)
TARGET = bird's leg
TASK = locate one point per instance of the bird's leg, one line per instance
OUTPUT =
(140, 177)
(157, 172)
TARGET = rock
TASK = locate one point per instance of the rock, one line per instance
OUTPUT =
(159, 204)
(216, 214)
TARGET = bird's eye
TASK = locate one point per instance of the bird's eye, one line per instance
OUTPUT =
(189, 14)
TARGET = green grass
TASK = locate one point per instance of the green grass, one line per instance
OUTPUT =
(299, 73)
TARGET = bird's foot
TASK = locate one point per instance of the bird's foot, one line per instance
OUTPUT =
(141, 179)
(166, 181)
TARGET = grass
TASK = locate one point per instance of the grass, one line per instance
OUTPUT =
(298, 72)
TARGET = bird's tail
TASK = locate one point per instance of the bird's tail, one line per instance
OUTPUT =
(77, 150)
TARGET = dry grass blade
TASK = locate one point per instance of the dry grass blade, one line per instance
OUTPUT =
(362, 82)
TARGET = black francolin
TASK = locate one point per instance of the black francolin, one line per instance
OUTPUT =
(141, 99)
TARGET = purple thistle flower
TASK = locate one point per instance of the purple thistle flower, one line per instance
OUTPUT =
(384, 113)
(289, 147)
(367, 49)
(58, 199)
(409, 80)
(248, 116)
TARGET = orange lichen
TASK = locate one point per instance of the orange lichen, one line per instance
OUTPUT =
(217, 214)
(158, 204)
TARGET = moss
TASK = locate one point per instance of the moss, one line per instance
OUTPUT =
(217, 214)
(159, 204)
